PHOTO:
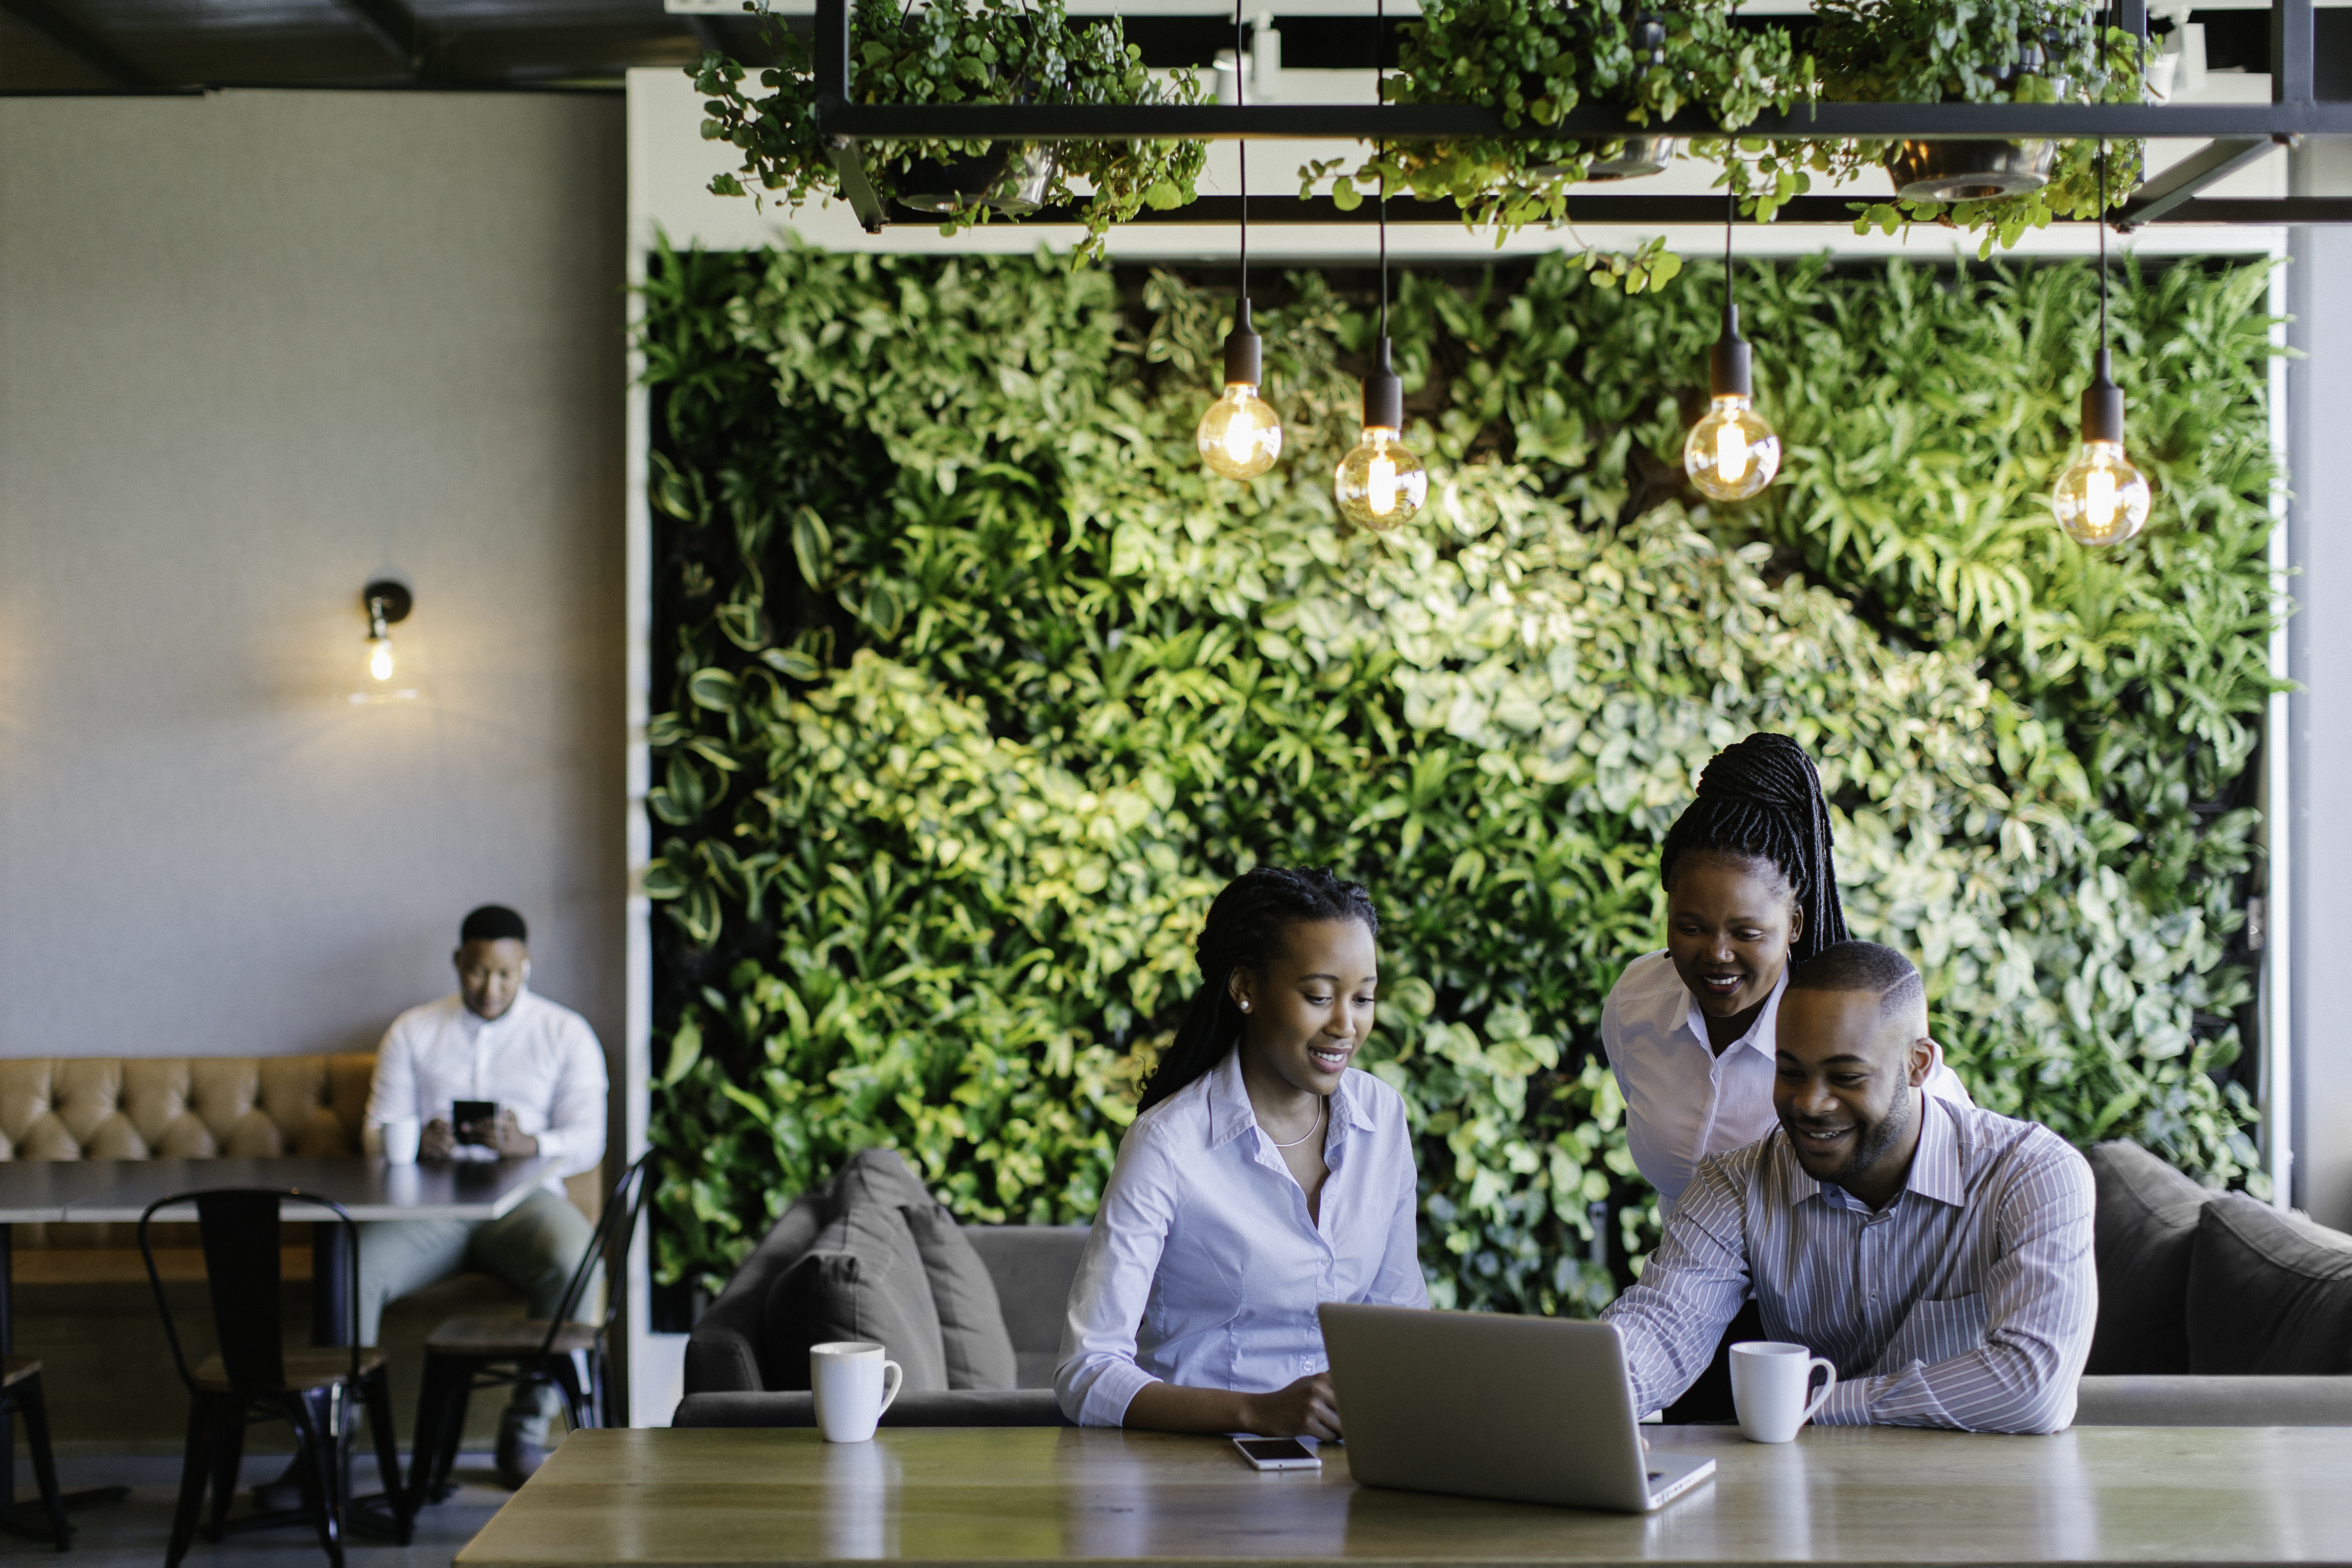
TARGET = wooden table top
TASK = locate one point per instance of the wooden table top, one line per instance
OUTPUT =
(91, 1191)
(1884, 1495)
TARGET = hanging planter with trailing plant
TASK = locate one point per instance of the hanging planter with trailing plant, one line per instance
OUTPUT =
(993, 51)
(1930, 51)
(1530, 65)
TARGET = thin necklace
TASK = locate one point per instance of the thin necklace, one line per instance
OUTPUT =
(1303, 1137)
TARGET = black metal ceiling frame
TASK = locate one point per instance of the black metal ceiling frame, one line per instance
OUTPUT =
(2237, 134)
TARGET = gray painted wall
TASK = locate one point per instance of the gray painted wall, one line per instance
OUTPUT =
(2320, 403)
(254, 348)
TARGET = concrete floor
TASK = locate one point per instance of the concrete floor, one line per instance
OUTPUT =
(133, 1532)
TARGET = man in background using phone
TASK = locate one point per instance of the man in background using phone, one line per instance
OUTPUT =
(539, 1065)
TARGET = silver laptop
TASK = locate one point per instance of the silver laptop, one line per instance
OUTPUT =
(1481, 1405)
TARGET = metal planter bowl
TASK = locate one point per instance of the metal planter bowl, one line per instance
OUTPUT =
(957, 185)
(1028, 171)
(1639, 158)
(1969, 171)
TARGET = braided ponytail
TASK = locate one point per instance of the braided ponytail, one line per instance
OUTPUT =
(1761, 800)
(1244, 924)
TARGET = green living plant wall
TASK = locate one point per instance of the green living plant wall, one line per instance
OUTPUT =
(972, 687)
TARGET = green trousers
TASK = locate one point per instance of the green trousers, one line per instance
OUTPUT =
(534, 1248)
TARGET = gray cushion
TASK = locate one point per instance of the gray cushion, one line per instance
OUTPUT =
(953, 1407)
(2268, 1294)
(1034, 1267)
(971, 1320)
(2143, 1236)
(876, 1176)
(2185, 1400)
(863, 1279)
(728, 1348)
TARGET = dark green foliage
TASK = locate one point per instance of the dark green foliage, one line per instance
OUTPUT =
(974, 687)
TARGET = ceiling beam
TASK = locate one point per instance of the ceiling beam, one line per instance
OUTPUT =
(77, 40)
(395, 28)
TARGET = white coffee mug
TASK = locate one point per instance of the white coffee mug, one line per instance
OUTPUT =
(854, 1386)
(1768, 1381)
(399, 1140)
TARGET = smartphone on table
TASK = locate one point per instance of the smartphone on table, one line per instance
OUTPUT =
(1278, 1454)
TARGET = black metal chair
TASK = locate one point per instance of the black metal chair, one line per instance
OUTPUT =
(467, 1354)
(20, 1395)
(257, 1377)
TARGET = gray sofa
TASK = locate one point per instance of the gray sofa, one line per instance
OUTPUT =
(2215, 1311)
(746, 1361)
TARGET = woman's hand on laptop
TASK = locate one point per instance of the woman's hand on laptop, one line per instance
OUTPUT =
(1307, 1408)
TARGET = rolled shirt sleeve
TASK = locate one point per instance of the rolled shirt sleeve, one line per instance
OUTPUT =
(575, 1133)
(1693, 1285)
(1400, 1281)
(1098, 1376)
(392, 1093)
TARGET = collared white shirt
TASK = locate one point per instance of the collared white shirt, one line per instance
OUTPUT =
(1682, 1101)
(1204, 1269)
(1967, 1301)
(536, 1058)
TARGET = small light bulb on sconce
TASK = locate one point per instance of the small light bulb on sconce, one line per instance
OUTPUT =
(2101, 499)
(385, 602)
(1381, 484)
(1240, 434)
(1731, 454)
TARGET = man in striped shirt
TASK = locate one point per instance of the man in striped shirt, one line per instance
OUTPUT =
(1939, 1255)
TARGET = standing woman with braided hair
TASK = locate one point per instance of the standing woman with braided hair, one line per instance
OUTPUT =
(1264, 1174)
(1750, 891)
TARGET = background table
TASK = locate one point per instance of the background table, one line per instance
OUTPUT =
(89, 1192)
(1876, 1495)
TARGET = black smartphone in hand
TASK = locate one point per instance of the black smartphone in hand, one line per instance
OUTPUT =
(470, 1120)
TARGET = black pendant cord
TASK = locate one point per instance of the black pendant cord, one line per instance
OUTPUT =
(2102, 247)
(1240, 101)
(2103, 196)
(1730, 216)
(1380, 151)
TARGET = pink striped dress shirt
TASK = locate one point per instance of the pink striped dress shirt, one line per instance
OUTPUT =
(1967, 1302)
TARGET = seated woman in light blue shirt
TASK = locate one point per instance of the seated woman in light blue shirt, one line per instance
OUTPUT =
(1263, 1175)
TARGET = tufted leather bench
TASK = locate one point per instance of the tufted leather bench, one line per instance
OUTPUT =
(167, 1107)
(181, 1108)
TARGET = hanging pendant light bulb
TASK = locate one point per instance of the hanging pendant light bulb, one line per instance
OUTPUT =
(1731, 454)
(2101, 499)
(1380, 483)
(1240, 434)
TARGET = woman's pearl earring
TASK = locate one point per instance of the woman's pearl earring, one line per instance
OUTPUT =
(1244, 1007)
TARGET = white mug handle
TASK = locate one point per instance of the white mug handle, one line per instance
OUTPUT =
(893, 1376)
(1822, 1398)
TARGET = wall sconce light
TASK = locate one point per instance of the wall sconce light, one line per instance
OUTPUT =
(386, 601)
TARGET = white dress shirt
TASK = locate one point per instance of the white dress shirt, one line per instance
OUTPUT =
(1204, 1269)
(537, 1060)
(1682, 1101)
(1967, 1301)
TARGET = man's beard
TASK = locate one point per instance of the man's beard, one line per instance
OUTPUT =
(1872, 1140)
